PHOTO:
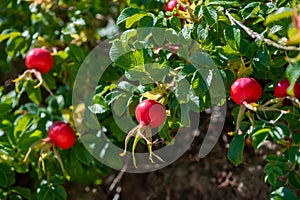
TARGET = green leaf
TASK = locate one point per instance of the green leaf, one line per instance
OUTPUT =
(198, 84)
(4, 37)
(278, 171)
(294, 179)
(259, 136)
(182, 90)
(175, 23)
(3, 179)
(294, 155)
(280, 14)
(136, 74)
(34, 94)
(23, 125)
(59, 192)
(228, 53)
(50, 81)
(272, 179)
(283, 193)
(279, 131)
(24, 192)
(232, 37)
(201, 32)
(131, 59)
(164, 133)
(98, 108)
(185, 115)
(101, 90)
(14, 196)
(6, 169)
(14, 45)
(251, 10)
(20, 167)
(82, 154)
(76, 52)
(282, 165)
(172, 36)
(121, 104)
(196, 102)
(296, 138)
(44, 193)
(157, 71)
(210, 15)
(271, 158)
(28, 139)
(4, 109)
(225, 3)
(262, 61)
(8, 33)
(133, 19)
(58, 179)
(292, 73)
(278, 62)
(158, 36)
(269, 168)
(147, 21)
(118, 49)
(129, 12)
(236, 148)
(126, 86)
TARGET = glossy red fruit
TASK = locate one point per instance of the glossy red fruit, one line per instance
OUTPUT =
(171, 5)
(150, 113)
(282, 86)
(61, 135)
(245, 90)
(39, 59)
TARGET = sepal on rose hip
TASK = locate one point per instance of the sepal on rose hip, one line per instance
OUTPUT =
(38, 61)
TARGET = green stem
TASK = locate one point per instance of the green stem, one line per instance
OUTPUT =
(239, 118)
(31, 147)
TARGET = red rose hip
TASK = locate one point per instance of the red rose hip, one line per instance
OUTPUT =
(171, 5)
(282, 86)
(39, 59)
(61, 135)
(245, 90)
(150, 113)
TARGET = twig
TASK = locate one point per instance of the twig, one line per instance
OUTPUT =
(254, 35)
(117, 178)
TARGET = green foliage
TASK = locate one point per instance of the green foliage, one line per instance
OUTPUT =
(69, 29)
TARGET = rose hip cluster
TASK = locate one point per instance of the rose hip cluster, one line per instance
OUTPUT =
(247, 91)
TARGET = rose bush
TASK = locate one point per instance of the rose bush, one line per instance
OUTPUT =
(255, 39)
